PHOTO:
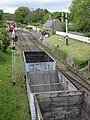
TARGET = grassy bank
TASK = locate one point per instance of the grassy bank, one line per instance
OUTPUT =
(13, 98)
(79, 51)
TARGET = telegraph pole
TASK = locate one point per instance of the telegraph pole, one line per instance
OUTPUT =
(66, 28)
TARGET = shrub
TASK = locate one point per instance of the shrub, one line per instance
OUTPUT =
(29, 28)
(87, 34)
(63, 26)
(80, 64)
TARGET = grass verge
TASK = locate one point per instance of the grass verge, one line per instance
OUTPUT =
(79, 51)
(13, 98)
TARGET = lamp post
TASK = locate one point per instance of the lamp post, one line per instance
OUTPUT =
(66, 28)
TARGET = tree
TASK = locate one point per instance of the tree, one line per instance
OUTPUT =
(8, 16)
(45, 18)
(3, 33)
(22, 15)
(33, 17)
(41, 13)
(56, 15)
(80, 14)
(37, 16)
(1, 14)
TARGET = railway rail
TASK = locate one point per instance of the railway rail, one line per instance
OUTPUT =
(76, 80)
(25, 43)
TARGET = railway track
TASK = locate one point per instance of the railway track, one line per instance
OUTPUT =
(76, 80)
(25, 43)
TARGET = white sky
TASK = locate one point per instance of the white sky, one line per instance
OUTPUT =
(51, 5)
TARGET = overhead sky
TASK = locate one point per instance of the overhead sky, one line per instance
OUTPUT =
(52, 5)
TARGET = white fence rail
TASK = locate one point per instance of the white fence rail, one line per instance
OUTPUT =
(75, 37)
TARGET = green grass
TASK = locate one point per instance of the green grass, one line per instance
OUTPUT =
(79, 51)
(13, 98)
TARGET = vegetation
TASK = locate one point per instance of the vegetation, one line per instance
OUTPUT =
(8, 16)
(3, 33)
(36, 17)
(25, 16)
(75, 49)
(80, 15)
(22, 15)
(13, 98)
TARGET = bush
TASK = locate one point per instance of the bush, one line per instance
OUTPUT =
(29, 28)
(63, 26)
(4, 43)
(62, 54)
(80, 64)
(36, 24)
(71, 27)
(87, 34)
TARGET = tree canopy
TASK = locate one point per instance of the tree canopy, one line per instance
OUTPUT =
(38, 15)
(35, 17)
(80, 14)
(22, 15)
